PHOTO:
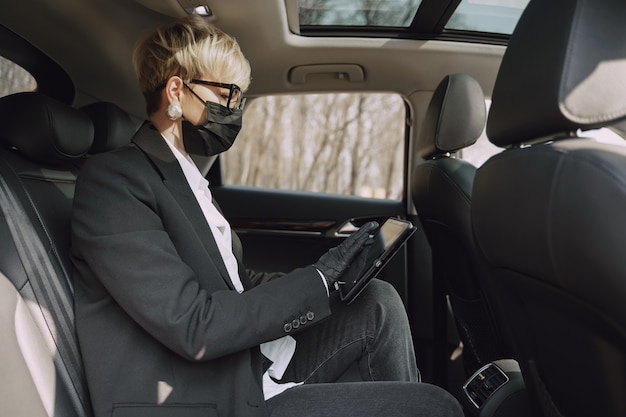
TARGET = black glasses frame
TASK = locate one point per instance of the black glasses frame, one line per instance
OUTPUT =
(233, 89)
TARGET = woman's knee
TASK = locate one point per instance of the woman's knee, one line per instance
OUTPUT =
(384, 290)
(383, 304)
(384, 294)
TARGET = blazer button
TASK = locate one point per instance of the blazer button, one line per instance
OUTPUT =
(303, 320)
(287, 327)
(310, 315)
(295, 323)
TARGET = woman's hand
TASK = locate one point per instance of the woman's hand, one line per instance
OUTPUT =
(336, 261)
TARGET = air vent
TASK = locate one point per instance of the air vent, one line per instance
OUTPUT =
(484, 383)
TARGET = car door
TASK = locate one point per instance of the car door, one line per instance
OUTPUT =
(308, 170)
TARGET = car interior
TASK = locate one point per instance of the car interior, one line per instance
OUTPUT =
(514, 281)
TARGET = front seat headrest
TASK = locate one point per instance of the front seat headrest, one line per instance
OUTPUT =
(42, 129)
(455, 117)
(564, 69)
(113, 126)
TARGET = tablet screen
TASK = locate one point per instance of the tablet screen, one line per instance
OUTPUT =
(386, 241)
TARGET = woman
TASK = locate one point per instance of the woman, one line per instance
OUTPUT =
(169, 321)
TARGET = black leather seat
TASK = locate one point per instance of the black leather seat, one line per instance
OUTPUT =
(42, 146)
(548, 213)
(441, 189)
(41, 142)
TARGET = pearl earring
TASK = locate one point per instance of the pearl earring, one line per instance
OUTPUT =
(174, 111)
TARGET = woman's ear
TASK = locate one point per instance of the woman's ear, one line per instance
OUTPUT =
(172, 98)
(173, 89)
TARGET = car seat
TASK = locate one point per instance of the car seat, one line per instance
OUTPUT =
(42, 146)
(441, 189)
(547, 211)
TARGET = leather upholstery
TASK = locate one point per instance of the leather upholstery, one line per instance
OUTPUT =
(548, 217)
(42, 142)
(113, 126)
(44, 130)
(455, 117)
(441, 188)
(41, 150)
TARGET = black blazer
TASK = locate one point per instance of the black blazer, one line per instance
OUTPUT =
(161, 329)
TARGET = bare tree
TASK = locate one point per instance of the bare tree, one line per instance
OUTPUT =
(333, 143)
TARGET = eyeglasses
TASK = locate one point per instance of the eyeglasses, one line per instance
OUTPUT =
(235, 99)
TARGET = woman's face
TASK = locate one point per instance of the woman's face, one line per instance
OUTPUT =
(194, 106)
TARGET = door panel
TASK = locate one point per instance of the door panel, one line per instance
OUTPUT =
(282, 230)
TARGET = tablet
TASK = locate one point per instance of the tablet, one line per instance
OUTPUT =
(388, 238)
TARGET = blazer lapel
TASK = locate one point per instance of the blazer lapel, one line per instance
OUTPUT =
(150, 141)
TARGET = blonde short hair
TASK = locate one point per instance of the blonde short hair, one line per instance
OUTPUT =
(190, 48)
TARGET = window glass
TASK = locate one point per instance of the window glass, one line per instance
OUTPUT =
(495, 16)
(347, 143)
(382, 13)
(492, 16)
(14, 79)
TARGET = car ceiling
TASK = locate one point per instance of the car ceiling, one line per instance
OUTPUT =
(93, 42)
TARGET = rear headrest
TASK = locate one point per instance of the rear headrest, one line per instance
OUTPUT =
(42, 129)
(564, 69)
(455, 117)
(113, 126)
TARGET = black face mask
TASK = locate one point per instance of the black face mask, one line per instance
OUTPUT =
(218, 132)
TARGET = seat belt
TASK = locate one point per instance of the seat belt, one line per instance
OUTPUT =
(53, 312)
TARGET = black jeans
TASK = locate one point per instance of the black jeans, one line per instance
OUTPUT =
(373, 333)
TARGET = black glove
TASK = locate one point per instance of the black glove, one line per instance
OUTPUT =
(336, 261)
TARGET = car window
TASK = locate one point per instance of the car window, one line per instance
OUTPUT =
(343, 143)
(495, 16)
(14, 79)
(386, 13)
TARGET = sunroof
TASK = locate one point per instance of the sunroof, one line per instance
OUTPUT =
(372, 13)
(490, 20)
(493, 16)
